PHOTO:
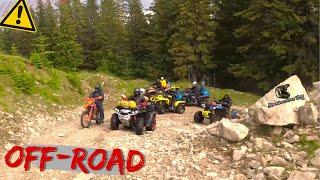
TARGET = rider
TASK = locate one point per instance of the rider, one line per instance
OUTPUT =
(226, 101)
(195, 89)
(138, 96)
(164, 83)
(203, 90)
(99, 95)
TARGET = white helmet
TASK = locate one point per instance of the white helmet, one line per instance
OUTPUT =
(194, 83)
(162, 78)
(142, 91)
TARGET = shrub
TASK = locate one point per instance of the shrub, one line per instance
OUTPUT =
(24, 82)
(75, 82)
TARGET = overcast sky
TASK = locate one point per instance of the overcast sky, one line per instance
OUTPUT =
(3, 4)
(146, 3)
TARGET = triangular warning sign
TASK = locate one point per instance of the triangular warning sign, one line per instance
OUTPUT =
(19, 17)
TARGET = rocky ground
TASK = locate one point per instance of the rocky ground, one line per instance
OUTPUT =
(178, 149)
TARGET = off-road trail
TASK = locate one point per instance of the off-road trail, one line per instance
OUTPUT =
(171, 152)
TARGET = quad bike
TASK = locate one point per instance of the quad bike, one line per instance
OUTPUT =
(191, 99)
(135, 117)
(90, 113)
(164, 104)
(213, 112)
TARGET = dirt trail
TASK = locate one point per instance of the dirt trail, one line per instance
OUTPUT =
(168, 151)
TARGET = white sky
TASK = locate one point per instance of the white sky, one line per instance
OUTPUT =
(5, 3)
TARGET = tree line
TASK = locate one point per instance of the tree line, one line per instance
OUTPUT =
(242, 44)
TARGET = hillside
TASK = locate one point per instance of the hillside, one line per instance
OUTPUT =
(23, 84)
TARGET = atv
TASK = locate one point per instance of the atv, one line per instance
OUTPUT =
(191, 99)
(135, 117)
(166, 103)
(214, 112)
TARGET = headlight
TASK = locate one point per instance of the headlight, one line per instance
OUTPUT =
(116, 110)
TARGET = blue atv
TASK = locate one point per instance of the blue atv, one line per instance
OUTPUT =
(201, 101)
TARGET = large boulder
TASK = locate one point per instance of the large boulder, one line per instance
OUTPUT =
(298, 175)
(234, 132)
(308, 114)
(315, 161)
(279, 106)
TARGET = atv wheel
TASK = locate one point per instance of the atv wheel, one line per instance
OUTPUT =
(180, 109)
(198, 117)
(85, 120)
(214, 118)
(161, 109)
(139, 126)
(153, 124)
(114, 123)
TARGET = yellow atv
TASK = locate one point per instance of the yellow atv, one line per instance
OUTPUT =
(164, 104)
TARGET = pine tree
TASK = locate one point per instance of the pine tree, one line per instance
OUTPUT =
(161, 29)
(68, 50)
(136, 31)
(282, 40)
(111, 37)
(191, 44)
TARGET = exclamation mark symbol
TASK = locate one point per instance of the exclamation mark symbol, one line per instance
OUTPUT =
(20, 8)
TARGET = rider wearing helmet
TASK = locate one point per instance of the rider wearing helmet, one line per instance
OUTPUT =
(226, 101)
(99, 95)
(164, 83)
(138, 96)
(195, 89)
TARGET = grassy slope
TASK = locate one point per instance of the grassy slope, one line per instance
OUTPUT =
(20, 82)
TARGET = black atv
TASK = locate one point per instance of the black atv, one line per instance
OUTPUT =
(135, 118)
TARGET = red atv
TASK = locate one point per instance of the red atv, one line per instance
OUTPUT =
(90, 113)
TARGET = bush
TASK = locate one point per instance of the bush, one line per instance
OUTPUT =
(24, 82)
(75, 82)
(54, 83)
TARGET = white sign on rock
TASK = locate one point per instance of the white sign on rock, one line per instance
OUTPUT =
(280, 105)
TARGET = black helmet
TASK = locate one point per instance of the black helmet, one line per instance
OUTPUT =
(98, 87)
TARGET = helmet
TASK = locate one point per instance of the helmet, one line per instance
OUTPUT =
(97, 87)
(137, 92)
(194, 83)
(142, 91)
(162, 78)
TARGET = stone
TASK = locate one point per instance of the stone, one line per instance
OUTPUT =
(253, 164)
(298, 175)
(262, 143)
(285, 113)
(287, 156)
(278, 161)
(240, 177)
(234, 132)
(277, 130)
(315, 162)
(263, 161)
(294, 139)
(238, 154)
(274, 170)
(308, 114)
(260, 176)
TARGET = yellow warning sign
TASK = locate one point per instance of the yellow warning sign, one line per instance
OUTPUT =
(19, 17)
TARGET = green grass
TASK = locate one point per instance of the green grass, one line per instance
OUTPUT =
(309, 146)
(21, 81)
